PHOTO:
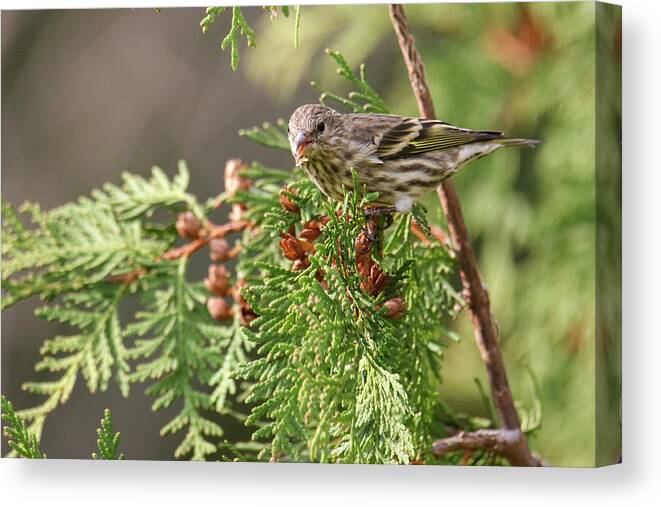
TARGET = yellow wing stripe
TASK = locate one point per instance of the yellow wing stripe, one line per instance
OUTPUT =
(415, 136)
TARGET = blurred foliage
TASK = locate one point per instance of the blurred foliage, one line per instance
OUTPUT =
(25, 444)
(22, 442)
(239, 26)
(108, 440)
(609, 233)
(527, 69)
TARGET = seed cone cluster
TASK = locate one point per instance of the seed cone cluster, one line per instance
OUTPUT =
(297, 249)
(219, 250)
(286, 201)
(234, 183)
(225, 300)
(372, 278)
(188, 226)
(226, 297)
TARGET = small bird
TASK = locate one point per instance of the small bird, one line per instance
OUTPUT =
(399, 157)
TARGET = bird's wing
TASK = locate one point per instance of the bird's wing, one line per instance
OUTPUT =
(412, 136)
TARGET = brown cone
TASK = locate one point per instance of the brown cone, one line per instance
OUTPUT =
(218, 280)
(395, 308)
(188, 226)
(219, 309)
(219, 250)
(286, 202)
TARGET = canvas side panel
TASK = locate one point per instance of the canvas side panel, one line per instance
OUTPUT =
(608, 353)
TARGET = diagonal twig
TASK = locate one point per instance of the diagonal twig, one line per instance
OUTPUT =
(515, 445)
(498, 441)
(212, 231)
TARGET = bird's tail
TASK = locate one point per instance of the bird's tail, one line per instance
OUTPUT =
(509, 142)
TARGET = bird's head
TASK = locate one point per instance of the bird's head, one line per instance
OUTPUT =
(310, 129)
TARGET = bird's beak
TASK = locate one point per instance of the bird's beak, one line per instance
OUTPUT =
(300, 143)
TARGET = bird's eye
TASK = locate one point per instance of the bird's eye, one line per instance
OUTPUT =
(321, 127)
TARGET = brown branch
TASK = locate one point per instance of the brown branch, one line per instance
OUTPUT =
(478, 297)
(502, 442)
(206, 235)
(438, 233)
(211, 231)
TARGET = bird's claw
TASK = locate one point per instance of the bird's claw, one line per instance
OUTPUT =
(371, 233)
(372, 212)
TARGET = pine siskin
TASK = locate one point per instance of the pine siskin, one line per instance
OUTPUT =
(401, 158)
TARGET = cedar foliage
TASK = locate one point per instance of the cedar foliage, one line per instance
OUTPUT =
(25, 444)
(22, 443)
(335, 357)
(108, 441)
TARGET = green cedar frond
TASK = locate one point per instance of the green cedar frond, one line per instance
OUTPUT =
(333, 373)
(212, 14)
(79, 244)
(531, 416)
(297, 25)
(71, 247)
(363, 99)
(239, 27)
(138, 196)
(264, 205)
(108, 440)
(22, 442)
(96, 350)
(238, 455)
(234, 354)
(271, 136)
(183, 352)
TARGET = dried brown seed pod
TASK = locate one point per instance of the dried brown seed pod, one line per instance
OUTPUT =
(188, 226)
(311, 231)
(234, 182)
(364, 263)
(373, 278)
(286, 202)
(219, 250)
(307, 246)
(380, 279)
(219, 309)
(291, 247)
(246, 314)
(218, 280)
(395, 308)
(300, 264)
(363, 244)
(237, 212)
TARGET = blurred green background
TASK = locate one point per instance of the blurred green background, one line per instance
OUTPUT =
(87, 94)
